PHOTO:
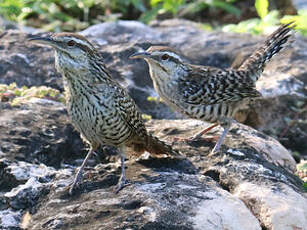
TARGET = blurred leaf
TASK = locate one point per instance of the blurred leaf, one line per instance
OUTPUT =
(207, 27)
(54, 26)
(199, 5)
(146, 117)
(262, 7)
(149, 98)
(248, 26)
(17, 92)
(172, 6)
(193, 7)
(227, 7)
(256, 25)
(155, 2)
(12, 86)
(138, 4)
(72, 15)
(150, 15)
(11, 8)
(300, 21)
(302, 167)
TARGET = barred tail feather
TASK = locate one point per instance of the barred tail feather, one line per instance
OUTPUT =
(255, 64)
(158, 147)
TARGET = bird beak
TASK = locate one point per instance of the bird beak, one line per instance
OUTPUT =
(43, 41)
(140, 55)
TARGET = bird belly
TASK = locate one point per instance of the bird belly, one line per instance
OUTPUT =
(216, 112)
(98, 122)
(209, 113)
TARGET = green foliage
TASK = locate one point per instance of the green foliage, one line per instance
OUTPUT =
(74, 15)
(300, 21)
(262, 7)
(15, 95)
(255, 25)
(162, 6)
(185, 7)
(11, 8)
(268, 21)
(71, 15)
(146, 117)
(172, 6)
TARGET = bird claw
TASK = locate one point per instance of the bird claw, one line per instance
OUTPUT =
(121, 184)
(214, 151)
(76, 183)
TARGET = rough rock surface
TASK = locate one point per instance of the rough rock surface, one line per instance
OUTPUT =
(250, 184)
(280, 113)
(30, 132)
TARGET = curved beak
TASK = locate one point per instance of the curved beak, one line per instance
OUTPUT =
(140, 55)
(43, 40)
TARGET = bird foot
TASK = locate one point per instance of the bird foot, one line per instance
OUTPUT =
(121, 184)
(76, 183)
(213, 152)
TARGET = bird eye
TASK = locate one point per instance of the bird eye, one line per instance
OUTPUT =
(71, 43)
(164, 57)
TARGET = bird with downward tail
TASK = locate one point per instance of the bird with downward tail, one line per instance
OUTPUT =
(208, 93)
(99, 108)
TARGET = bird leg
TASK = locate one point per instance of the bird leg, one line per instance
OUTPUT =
(226, 125)
(122, 180)
(78, 176)
(199, 135)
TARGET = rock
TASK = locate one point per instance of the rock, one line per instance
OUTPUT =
(26, 195)
(224, 191)
(39, 131)
(281, 113)
(164, 203)
(247, 185)
(36, 64)
(301, 170)
(270, 149)
(221, 191)
(17, 173)
(130, 31)
(300, 4)
(288, 205)
(10, 219)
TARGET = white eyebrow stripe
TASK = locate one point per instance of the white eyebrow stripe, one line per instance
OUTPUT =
(171, 54)
(82, 42)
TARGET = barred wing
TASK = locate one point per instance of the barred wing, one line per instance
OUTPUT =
(209, 85)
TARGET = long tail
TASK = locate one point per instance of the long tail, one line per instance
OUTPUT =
(151, 144)
(255, 64)
(157, 147)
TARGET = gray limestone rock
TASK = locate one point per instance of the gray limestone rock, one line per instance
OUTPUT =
(249, 184)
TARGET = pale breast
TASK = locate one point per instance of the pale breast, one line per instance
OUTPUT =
(95, 117)
(209, 113)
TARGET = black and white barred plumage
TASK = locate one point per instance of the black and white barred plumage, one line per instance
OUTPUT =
(99, 108)
(255, 64)
(208, 93)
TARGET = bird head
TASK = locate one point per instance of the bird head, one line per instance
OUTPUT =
(162, 60)
(73, 51)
